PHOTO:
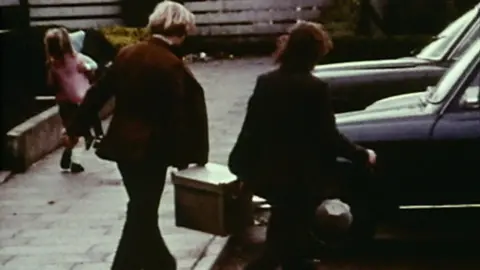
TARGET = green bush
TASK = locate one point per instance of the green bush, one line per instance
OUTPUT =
(122, 36)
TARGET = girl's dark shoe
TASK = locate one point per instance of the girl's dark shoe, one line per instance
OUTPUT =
(97, 142)
(66, 160)
(76, 168)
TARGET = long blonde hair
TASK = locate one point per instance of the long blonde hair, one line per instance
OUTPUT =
(57, 44)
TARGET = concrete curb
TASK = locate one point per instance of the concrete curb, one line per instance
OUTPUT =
(241, 248)
(211, 254)
(220, 248)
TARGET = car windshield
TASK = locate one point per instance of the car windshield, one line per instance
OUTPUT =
(469, 39)
(443, 41)
(456, 73)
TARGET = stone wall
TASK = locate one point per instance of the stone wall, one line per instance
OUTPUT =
(38, 136)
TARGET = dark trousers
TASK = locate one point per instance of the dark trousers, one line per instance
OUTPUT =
(142, 246)
(287, 243)
(67, 111)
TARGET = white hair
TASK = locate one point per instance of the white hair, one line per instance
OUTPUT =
(170, 16)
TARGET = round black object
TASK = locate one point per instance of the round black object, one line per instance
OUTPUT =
(332, 222)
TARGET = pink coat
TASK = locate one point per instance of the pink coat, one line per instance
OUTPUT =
(70, 78)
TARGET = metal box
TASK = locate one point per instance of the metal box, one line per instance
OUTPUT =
(208, 199)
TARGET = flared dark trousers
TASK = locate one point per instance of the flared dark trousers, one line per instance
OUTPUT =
(142, 246)
(287, 242)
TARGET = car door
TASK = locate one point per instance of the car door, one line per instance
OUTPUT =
(455, 176)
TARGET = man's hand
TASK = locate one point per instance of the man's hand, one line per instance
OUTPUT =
(186, 166)
(236, 188)
(372, 157)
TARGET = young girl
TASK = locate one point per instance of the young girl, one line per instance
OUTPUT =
(69, 74)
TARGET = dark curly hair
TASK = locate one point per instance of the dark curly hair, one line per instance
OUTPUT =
(303, 46)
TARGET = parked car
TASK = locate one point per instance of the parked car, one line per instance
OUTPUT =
(356, 85)
(428, 146)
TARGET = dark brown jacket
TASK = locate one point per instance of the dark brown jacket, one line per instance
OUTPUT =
(160, 111)
(289, 141)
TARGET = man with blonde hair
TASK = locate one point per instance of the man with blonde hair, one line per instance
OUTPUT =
(171, 19)
(160, 120)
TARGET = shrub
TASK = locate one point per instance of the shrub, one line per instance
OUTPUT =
(122, 36)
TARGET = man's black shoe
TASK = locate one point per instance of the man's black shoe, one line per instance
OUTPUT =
(76, 168)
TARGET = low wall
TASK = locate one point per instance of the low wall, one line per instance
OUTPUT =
(38, 136)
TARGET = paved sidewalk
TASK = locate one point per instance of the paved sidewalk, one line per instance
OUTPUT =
(55, 220)
(50, 220)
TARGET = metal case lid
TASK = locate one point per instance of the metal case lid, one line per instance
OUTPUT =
(211, 177)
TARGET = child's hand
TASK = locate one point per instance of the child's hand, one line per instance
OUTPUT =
(84, 67)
